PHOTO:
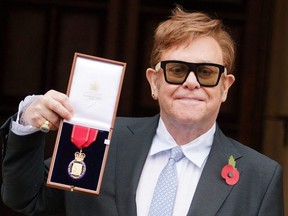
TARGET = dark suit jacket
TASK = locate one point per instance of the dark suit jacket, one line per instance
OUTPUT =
(258, 192)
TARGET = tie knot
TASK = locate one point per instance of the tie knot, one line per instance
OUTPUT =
(176, 153)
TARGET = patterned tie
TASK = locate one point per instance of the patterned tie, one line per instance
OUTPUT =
(164, 195)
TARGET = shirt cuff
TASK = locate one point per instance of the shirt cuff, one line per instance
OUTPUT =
(18, 128)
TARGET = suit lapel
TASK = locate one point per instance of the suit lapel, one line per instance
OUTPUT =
(131, 156)
(212, 189)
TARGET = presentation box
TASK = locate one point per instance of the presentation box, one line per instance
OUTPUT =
(82, 143)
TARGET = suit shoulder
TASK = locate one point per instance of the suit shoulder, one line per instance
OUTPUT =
(123, 122)
(254, 158)
(244, 153)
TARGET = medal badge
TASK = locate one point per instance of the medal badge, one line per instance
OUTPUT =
(81, 137)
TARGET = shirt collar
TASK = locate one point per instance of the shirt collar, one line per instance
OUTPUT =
(196, 151)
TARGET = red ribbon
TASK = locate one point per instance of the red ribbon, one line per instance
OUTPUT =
(82, 136)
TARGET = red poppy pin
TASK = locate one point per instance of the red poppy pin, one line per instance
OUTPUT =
(230, 172)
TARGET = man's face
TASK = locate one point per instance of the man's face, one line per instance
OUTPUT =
(190, 103)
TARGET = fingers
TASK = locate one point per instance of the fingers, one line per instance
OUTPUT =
(58, 103)
(48, 110)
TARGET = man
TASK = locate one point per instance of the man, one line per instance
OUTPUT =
(190, 76)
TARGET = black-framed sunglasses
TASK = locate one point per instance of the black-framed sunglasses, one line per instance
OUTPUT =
(176, 72)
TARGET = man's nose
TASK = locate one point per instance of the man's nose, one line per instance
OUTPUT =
(191, 81)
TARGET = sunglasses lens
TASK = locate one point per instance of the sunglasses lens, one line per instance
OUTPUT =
(207, 74)
(176, 72)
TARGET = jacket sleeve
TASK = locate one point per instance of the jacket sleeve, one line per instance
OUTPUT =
(24, 174)
(272, 203)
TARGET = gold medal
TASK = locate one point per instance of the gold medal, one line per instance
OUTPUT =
(77, 167)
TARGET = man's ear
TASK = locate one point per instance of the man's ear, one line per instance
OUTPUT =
(151, 76)
(227, 83)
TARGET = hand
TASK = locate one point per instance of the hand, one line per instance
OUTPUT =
(52, 107)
